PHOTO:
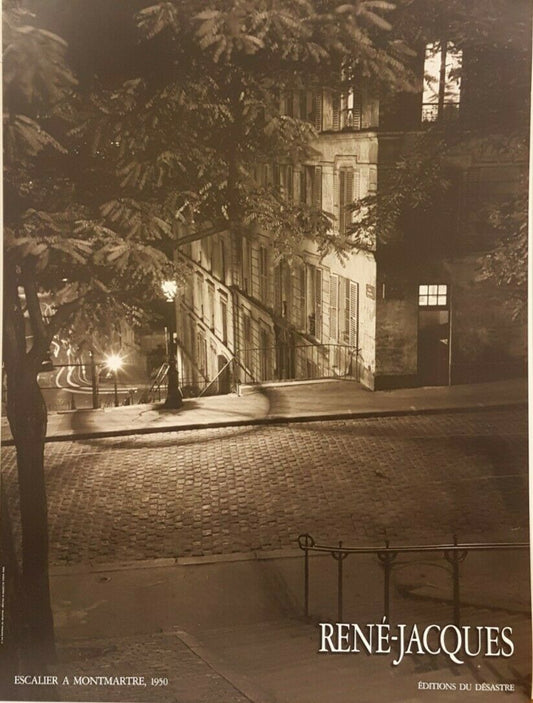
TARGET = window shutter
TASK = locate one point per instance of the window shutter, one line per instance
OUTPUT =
(286, 298)
(317, 187)
(303, 184)
(354, 314)
(342, 201)
(357, 108)
(303, 296)
(325, 303)
(290, 184)
(318, 303)
(254, 273)
(290, 104)
(236, 242)
(336, 108)
(317, 110)
(276, 175)
(302, 104)
(336, 195)
(356, 192)
(245, 282)
(333, 306)
(348, 197)
(278, 293)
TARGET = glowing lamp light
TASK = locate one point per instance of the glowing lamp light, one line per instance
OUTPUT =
(169, 288)
(114, 362)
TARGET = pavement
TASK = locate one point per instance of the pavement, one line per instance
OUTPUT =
(272, 403)
(218, 616)
(223, 631)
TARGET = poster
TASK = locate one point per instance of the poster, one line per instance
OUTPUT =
(301, 474)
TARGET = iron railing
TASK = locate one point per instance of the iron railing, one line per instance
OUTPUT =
(159, 382)
(83, 385)
(298, 362)
(454, 554)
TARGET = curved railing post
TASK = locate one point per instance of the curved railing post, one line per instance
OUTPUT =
(455, 557)
(387, 558)
(306, 542)
(339, 555)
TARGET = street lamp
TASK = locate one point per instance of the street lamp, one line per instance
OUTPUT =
(174, 398)
(114, 363)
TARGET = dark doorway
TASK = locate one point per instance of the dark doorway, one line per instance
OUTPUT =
(224, 378)
(433, 335)
(285, 354)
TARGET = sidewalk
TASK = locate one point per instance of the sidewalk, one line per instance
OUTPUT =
(227, 631)
(272, 403)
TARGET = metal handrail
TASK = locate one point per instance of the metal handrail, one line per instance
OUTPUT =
(454, 553)
(215, 378)
(331, 360)
(158, 379)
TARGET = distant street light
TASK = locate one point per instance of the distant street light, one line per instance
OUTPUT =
(174, 398)
(114, 363)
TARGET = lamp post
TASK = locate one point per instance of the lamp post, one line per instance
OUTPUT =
(114, 363)
(174, 398)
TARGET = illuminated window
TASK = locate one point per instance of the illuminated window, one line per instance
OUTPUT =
(433, 295)
(442, 81)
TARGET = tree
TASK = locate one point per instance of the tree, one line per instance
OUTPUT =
(105, 175)
(189, 134)
(54, 246)
(505, 263)
(410, 219)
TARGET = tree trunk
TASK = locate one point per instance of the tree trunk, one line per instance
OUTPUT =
(26, 412)
(27, 417)
(11, 645)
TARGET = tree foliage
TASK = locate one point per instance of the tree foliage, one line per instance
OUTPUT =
(187, 136)
(158, 127)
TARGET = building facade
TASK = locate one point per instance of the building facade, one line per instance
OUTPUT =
(387, 317)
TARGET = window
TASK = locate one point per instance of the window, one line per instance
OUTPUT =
(198, 294)
(442, 81)
(207, 249)
(311, 185)
(287, 104)
(282, 289)
(334, 306)
(310, 107)
(433, 295)
(264, 359)
(247, 339)
(346, 196)
(278, 294)
(224, 318)
(299, 295)
(246, 266)
(350, 109)
(201, 353)
(348, 304)
(263, 274)
(211, 305)
(314, 301)
(283, 181)
(192, 330)
(222, 251)
(218, 252)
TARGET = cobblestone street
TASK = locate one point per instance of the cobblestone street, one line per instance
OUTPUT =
(418, 478)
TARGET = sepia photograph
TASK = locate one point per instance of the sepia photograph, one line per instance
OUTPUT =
(264, 415)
